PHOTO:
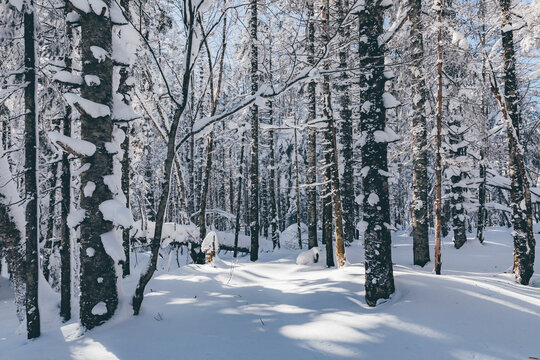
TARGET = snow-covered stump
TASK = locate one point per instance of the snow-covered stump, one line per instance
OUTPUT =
(210, 246)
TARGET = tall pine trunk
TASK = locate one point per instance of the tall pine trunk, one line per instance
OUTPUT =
(379, 281)
(438, 146)
(419, 148)
(254, 168)
(524, 241)
(99, 294)
(312, 136)
(330, 146)
(31, 173)
(346, 126)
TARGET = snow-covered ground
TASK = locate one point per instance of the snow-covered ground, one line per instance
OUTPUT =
(275, 309)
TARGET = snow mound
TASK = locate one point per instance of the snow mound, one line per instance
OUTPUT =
(308, 257)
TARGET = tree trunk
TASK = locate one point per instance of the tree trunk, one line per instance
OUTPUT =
(254, 169)
(297, 187)
(346, 127)
(238, 199)
(312, 137)
(31, 179)
(420, 186)
(379, 281)
(524, 241)
(99, 294)
(438, 160)
(65, 179)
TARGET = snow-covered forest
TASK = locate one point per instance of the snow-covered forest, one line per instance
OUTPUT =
(265, 179)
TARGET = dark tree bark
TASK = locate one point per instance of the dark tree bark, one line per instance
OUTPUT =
(346, 126)
(125, 89)
(330, 145)
(65, 179)
(312, 137)
(99, 294)
(254, 168)
(524, 241)
(379, 281)
(238, 199)
(30, 175)
(419, 149)
(438, 146)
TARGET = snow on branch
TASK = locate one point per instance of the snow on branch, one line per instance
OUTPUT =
(73, 146)
(87, 107)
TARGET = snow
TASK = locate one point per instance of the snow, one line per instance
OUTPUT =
(93, 109)
(99, 309)
(373, 199)
(75, 218)
(89, 188)
(92, 80)
(274, 308)
(99, 53)
(81, 147)
(386, 136)
(90, 252)
(390, 101)
(308, 257)
(67, 77)
(115, 211)
(113, 246)
(210, 242)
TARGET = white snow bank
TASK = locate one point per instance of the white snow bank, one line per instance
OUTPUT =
(308, 257)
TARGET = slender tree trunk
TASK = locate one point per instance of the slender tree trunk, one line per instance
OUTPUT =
(379, 281)
(346, 126)
(312, 136)
(31, 179)
(238, 200)
(65, 239)
(482, 211)
(124, 89)
(438, 160)
(65, 179)
(330, 144)
(254, 169)
(297, 187)
(420, 175)
(50, 244)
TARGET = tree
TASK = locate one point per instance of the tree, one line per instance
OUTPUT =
(31, 185)
(100, 248)
(379, 281)
(419, 129)
(254, 167)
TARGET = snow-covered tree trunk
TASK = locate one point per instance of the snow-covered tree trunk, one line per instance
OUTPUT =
(346, 125)
(438, 146)
(101, 248)
(420, 184)
(254, 168)
(379, 282)
(330, 148)
(65, 207)
(31, 185)
(312, 135)
(524, 241)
